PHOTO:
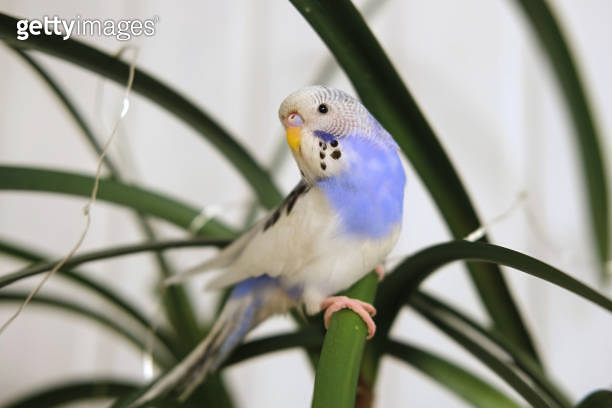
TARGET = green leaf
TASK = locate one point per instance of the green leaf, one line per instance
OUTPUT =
(108, 253)
(492, 360)
(466, 385)
(406, 277)
(97, 288)
(310, 339)
(338, 370)
(164, 359)
(494, 340)
(59, 395)
(146, 201)
(70, 107)
(178, 306)
(116, 70)
(553, 42)
(350, 40)
(597, 399)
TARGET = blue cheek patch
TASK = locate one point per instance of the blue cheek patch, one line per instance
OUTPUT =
(369, 194)
(324, 136)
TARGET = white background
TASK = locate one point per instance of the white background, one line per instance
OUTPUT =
(474, 68)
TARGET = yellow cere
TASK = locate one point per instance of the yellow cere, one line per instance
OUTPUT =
(293, 137)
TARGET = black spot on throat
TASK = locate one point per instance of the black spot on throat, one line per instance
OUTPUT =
(333, 143)
(336, 154)
(323, 165)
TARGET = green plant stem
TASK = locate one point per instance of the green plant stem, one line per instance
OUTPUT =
(338, 370)
(554, 44)
(453, 377)
(378, 84)
(116, 70)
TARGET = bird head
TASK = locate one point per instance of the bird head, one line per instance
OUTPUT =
(318, 120)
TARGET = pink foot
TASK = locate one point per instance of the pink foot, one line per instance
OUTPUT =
(380, 271)
(363, 309)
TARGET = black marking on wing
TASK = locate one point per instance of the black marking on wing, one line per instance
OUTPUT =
(272, 220)
(299, 190)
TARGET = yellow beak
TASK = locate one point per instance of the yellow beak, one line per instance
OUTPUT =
(293, 137)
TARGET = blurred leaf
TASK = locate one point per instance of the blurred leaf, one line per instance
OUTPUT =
(497, 364)
(466, 385)
(59, 395)
(70, 107)
(597, 399)
(178, 306)
(553, 42)
(107, 253)
(522, 360)
(378, 84)
(171, 210)
(308, 338)
(99, 289)
(114, 69)
(80, 310)
(338, 370)
(396, 288)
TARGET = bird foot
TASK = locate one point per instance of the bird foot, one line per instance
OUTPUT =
(380, 271)
(363, 309)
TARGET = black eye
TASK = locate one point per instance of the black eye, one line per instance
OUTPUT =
(323, 108)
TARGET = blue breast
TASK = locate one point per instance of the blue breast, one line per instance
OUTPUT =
(369, 194)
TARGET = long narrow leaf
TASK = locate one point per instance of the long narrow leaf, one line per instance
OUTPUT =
(153, 89)
(80, 278)
(106, 321)
(399, 285)
(504, 370)
(469, 387)
(553, 42)
(107, 253)
(70, 107)
(146, 201)
(346, 34)
(178, 306)
(522, 360)
(59, 395)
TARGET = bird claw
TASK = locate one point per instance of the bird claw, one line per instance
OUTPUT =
(365, 310)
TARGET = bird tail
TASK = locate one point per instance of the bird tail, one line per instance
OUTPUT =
(251, 301)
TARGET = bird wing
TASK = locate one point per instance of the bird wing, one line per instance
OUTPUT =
(289, 238)
(268, 245)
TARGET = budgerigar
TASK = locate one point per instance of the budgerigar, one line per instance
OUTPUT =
(339, 222)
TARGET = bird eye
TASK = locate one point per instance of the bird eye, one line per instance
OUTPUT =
(323, 108)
